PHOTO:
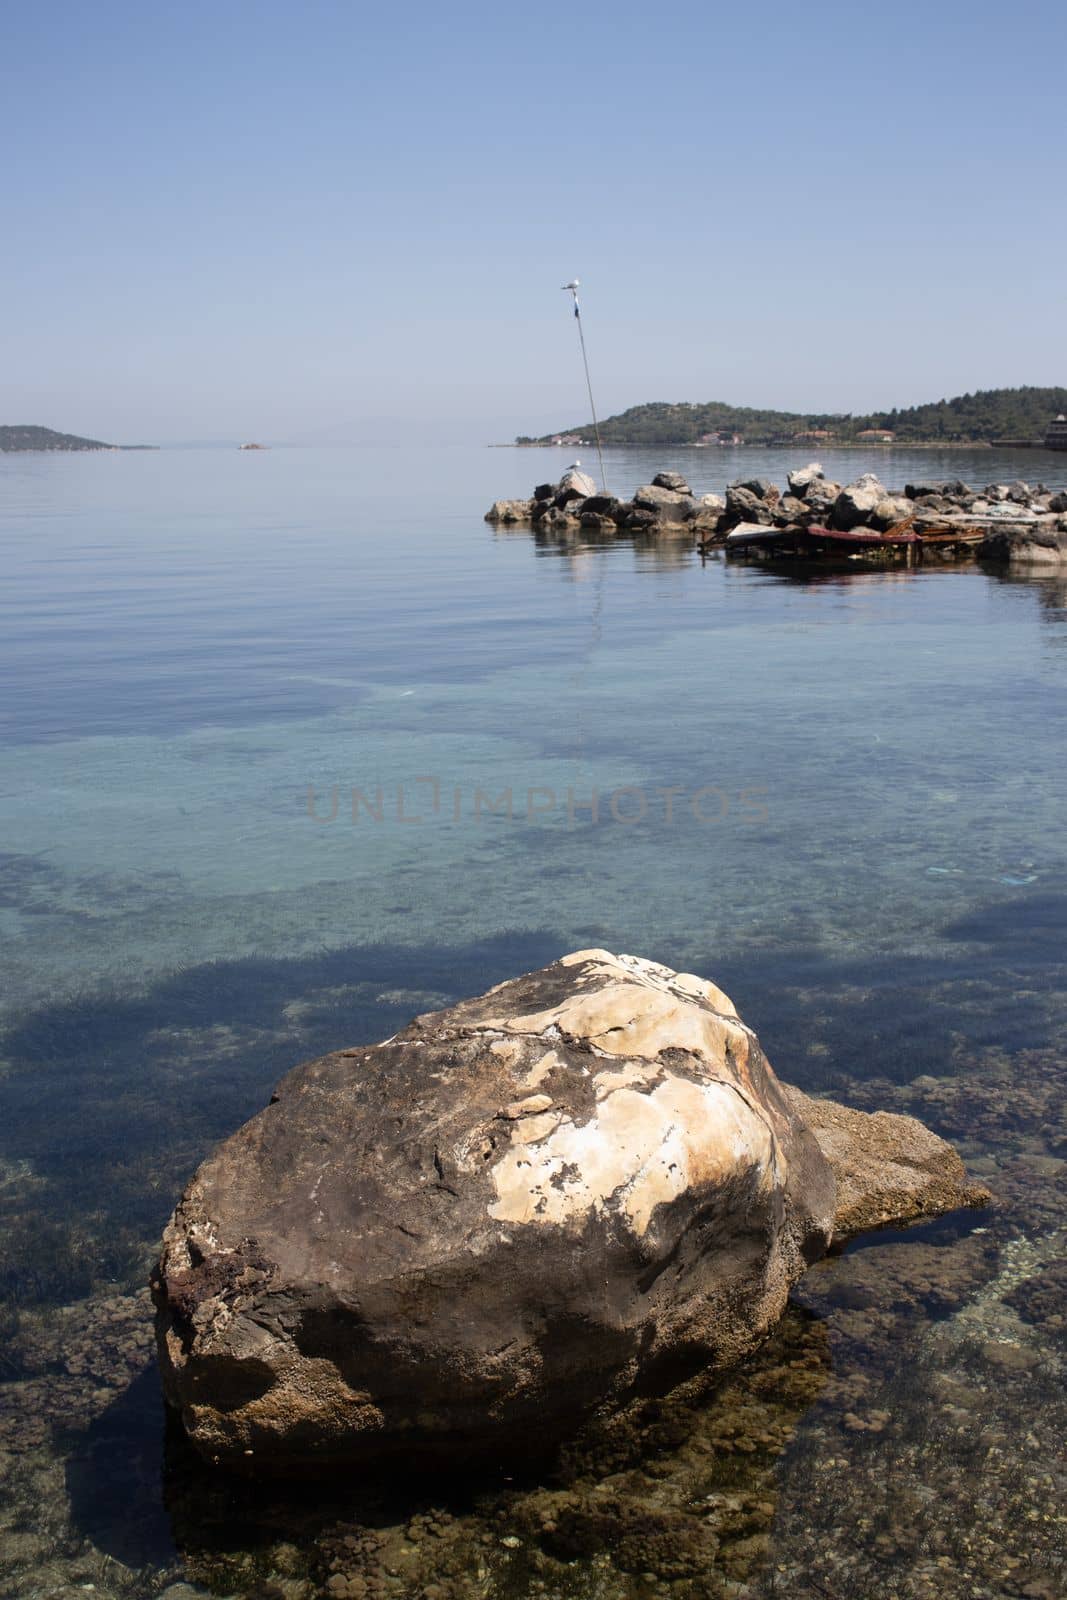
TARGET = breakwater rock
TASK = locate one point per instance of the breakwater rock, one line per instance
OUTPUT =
(1013, 522)
(512, 1214)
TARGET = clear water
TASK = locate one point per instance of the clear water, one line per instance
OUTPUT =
(841, 797)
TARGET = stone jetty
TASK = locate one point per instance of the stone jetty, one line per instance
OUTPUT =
(1004, 522)
(512, 1215)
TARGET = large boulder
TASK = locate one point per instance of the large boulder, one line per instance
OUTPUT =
(820, 497)
(574, 485)
(508, 1213)
(603, 505)
(857, 502)
(706, 519)
(1039, 545)
(762, 488)
(671, 480)
(790, 511)
(890, 511)
(637, 519)
(666, 505)
(744, 504)
(512, 1213)
(601, 511)
(801, 478)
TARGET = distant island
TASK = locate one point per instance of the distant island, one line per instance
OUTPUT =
(990, 416)
(28, 436)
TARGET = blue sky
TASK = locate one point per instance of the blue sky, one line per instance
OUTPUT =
(329, 221)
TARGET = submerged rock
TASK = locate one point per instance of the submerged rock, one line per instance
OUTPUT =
(887, 1167)
(509, 1215)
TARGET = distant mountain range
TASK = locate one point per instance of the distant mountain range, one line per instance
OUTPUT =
(980, 418)
(28, 436)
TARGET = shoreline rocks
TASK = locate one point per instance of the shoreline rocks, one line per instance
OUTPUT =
(512, 1215)
(1003, 523)
(888, 1168)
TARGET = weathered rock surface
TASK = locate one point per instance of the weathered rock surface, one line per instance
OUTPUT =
(857, 502)
(509, 1214)
(744, 504)
(1033, 546)
(510, 511)
(790, 510)
(666, 505)
(801, 478)
(705, 522)
(601, 511)
(671, 480)
(890, 511)
(948, 488)
(762, 488)
(887, 1168)
(706, 519)
(820, 497)
(574, 485)
(557, 518)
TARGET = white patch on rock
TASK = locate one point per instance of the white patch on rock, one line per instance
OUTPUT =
(642, 1149)
(644, 1010)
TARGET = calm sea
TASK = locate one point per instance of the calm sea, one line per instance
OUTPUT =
(294, 745)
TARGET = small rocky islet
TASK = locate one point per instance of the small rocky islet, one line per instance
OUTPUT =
(1004, 523)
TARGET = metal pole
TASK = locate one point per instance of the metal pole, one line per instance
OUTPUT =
(573, 287)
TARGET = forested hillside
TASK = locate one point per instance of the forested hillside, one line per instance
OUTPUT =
(28, 436)
(973, 418)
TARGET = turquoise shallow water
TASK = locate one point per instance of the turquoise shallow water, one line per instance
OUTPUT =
(841, 798)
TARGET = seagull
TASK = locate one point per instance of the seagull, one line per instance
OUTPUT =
(572, 286)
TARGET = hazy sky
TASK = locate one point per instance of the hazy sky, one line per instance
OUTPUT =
(327, 221)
